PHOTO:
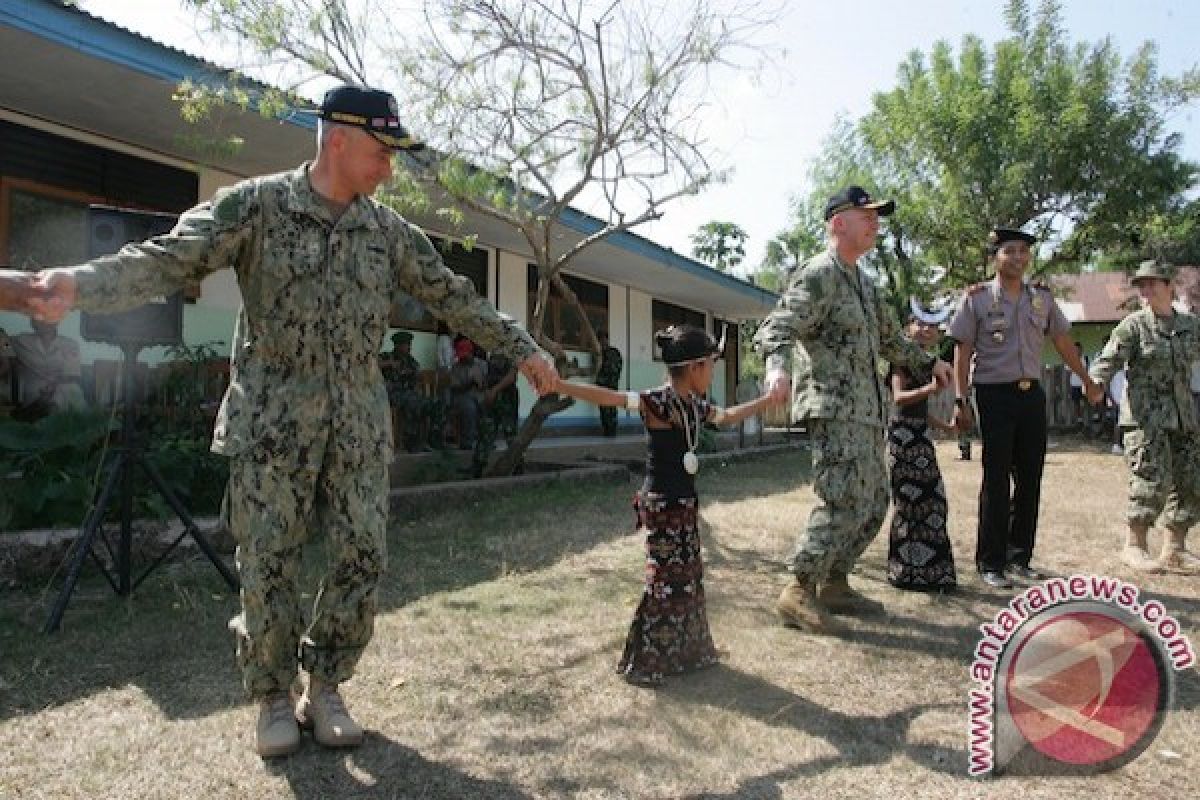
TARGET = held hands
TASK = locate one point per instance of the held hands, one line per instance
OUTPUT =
(963, 419)
(778, 385)
(540, 372)
(47, 295)
(943, 373)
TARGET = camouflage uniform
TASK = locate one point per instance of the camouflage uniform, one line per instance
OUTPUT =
(498, 418)
(400, 373)
(840, 328)
(305, 420)
(609, 376)
(1162, 432)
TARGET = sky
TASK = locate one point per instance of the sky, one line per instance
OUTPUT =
(831, 58)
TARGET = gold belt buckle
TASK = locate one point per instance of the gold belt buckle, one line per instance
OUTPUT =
(1024, 384)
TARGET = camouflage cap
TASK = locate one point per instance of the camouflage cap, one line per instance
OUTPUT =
(1150, 268)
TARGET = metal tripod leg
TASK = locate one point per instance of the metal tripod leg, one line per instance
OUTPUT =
(189, 528)
(83, 545)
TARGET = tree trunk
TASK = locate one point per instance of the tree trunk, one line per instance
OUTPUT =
(513, 455)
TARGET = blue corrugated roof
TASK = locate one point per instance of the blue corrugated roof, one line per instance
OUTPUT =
(73, 27)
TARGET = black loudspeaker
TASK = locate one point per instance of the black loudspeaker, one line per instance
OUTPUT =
(159, 322)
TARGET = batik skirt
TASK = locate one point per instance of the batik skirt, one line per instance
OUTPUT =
(669, 634)
(919, 555)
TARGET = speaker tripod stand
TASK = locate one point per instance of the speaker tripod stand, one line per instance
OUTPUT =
(119, 472)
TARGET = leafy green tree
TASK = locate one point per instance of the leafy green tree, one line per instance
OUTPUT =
(529, 106)
(721, 244)
(1063, 138)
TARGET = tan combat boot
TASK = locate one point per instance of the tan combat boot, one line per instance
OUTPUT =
(277, 733)
(839, 598)
(1135, 553)
(799, 608)
(1175, 556)
(323, 711)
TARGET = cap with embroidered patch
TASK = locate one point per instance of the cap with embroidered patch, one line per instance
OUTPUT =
(856, 197)
(373, 110)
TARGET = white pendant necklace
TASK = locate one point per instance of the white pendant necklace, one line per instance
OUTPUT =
(691, 464)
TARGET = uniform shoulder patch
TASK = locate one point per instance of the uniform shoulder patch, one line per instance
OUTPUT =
(231, 205)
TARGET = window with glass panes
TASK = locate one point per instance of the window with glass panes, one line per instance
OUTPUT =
(563, 323)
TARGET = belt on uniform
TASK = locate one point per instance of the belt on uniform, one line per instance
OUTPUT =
(1023, 385)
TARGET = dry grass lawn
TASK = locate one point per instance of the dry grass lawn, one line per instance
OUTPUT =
(491, 672)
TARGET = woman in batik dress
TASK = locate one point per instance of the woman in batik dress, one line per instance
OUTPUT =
(919, 554)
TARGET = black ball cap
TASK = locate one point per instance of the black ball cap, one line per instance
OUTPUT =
(373, 110)
(999, 236)
(856, 197)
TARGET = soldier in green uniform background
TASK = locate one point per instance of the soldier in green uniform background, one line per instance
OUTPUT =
(305, 421)
(498, 412)
(608, 376)
(840, 327)
(1158, 346)
(401, 372)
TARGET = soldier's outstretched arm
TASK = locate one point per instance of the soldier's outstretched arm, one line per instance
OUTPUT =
(452, 298)
(802, 307)
(1114, 356)
(206, 238)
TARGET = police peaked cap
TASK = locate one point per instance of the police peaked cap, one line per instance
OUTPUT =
(999, 236)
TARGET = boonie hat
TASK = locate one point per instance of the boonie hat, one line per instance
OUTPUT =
(1150, 268)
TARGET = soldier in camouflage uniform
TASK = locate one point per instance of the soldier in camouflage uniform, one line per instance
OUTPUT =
(498, 414)
(401, 372)
(840, 328)
(1157, 345)
(608, 376)
(305, 421)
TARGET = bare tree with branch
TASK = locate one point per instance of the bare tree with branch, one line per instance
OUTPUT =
(530, 107)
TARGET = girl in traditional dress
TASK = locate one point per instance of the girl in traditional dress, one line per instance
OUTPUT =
(669, 634)
(919, 555)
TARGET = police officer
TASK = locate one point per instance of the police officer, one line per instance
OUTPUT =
(999, 329)
(305, 420)
(609, 376)
(839, 328)
(1158, 346)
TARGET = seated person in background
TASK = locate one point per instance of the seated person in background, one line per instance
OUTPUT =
(467, 379)
(401, 373)
(48, 369)
(499, 409)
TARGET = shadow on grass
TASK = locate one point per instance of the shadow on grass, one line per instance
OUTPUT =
(170, 640)
(860, 740)
(381, 767)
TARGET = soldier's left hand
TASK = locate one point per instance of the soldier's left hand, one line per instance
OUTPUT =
(1095, 393)
(540, 372)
